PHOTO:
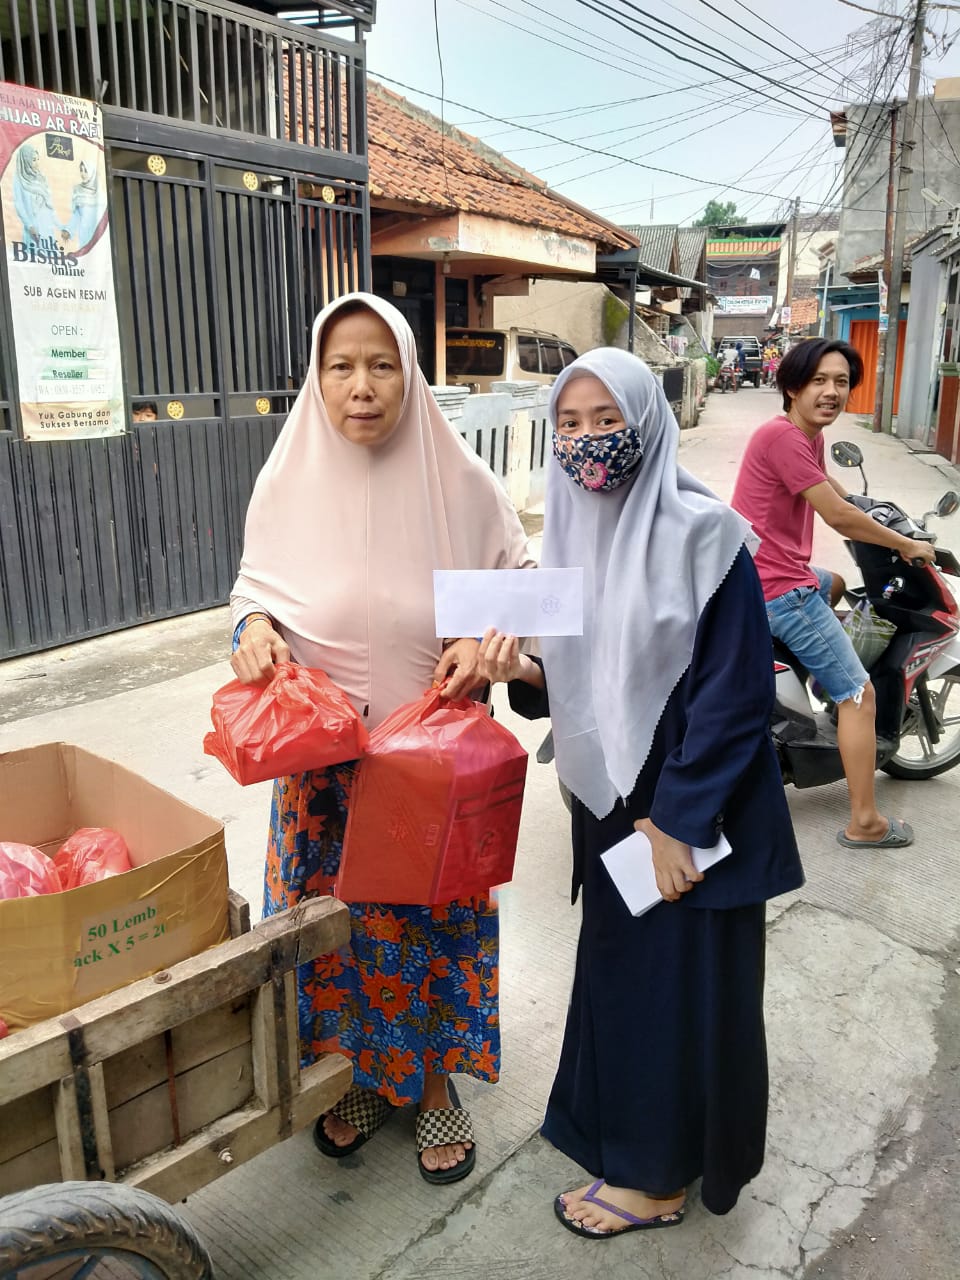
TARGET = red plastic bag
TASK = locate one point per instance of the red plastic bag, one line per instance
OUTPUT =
(25, 871)
(299, 721)
(91, 854)
(435, 809)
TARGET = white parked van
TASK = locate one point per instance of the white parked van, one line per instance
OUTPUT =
(476, 358)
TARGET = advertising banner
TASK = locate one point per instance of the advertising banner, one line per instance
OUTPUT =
(744, 305)
(56, 240)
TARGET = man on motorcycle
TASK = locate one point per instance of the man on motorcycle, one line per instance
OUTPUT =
(729, 365)
(781, 484)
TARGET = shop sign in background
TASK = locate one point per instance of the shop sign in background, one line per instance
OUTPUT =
(744, 304)
(56, 239)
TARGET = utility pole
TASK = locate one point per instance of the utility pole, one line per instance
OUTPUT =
(792, 262)
(887, 271)
(900, 222)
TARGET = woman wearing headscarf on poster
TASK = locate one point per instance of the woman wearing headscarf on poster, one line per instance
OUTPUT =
(86, 207)
(367, 491)
(660, 717)
(33, 201)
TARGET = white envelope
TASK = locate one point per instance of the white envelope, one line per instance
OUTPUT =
(630, 866)
(518, 602)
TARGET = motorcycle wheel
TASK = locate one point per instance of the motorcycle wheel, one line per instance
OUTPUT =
(917, 758)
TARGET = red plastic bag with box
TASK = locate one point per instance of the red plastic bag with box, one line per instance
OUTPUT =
(25, 871)
(299, 721)
(91, 854)
(435, 809)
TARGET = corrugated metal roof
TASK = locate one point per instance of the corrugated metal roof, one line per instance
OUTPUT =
(657, 244)
(690, 243)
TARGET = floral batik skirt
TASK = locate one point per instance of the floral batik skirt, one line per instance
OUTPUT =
(416, 989)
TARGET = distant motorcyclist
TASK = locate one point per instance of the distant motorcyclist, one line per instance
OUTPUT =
(729, 365)
(781, 484)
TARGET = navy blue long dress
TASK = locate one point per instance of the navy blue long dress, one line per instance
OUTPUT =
(663, 1070)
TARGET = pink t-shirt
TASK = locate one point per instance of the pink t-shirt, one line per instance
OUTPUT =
(778, 464)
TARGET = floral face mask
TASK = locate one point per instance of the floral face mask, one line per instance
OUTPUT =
(600, 463)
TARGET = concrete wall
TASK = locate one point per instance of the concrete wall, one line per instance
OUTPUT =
(572, 310)
(588, 316)
(866, 160)
(809, 244)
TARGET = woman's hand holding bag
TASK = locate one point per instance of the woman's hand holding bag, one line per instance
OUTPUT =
(259, 651)
(435, 808)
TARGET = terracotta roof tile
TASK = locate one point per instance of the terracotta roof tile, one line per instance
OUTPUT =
(407, 149)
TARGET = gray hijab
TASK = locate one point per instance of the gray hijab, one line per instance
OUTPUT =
(653, 553)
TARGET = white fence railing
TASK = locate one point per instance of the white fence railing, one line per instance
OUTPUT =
(509, 429)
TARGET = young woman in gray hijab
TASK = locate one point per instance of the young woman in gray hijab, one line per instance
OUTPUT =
(660, 717)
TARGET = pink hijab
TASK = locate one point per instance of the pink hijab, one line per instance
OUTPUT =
(342, 539)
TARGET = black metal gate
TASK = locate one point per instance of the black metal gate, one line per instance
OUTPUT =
(225, 248)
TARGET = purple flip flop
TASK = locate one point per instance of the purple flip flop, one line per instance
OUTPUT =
(633, 1223)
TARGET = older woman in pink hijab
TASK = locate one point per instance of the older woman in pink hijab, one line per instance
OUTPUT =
(367, 491)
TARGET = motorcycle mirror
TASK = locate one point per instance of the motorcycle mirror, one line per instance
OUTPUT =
(846, 454)
(948, 503)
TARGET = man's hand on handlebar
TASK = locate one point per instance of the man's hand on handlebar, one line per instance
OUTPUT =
(916, 552)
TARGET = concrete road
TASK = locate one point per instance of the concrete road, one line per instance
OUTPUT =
(863, 1002)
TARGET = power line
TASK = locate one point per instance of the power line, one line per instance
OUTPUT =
(443, 127)
(838, 182)
(806, 66)
(604, 62)
(610, 155)
(636, 27)
(767, 23)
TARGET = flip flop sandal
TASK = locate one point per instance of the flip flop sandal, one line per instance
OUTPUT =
(633, 1222)
(366, 1111)
(437, 1128)
(897, 836)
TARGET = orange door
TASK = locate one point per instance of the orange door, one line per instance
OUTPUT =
(864, 336)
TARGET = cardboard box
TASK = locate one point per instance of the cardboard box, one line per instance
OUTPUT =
(58, 950)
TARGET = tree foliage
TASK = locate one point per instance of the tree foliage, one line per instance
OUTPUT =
(717, 213)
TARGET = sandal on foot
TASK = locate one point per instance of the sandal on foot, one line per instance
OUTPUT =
(366, 1111)
(440, 1127)
(633, 1222)
(897, 836)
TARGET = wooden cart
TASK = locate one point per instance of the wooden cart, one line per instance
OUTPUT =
(169, 1082)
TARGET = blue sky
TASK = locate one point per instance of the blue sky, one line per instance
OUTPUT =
(560, 67)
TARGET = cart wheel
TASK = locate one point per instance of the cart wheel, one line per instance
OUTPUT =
(81, 1222)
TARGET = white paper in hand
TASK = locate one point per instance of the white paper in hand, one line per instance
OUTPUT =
(518, 602)
(630, 866)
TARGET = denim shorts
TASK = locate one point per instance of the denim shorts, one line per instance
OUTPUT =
(803, 620)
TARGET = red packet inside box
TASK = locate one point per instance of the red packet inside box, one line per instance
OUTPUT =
(435, 810)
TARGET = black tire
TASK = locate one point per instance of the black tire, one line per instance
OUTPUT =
(935, 758)
(60, 1218)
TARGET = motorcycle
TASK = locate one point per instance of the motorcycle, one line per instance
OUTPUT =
(728, 378)
(916, 678)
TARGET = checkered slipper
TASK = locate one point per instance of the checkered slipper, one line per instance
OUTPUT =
(437, 1128)
(366, 1111)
